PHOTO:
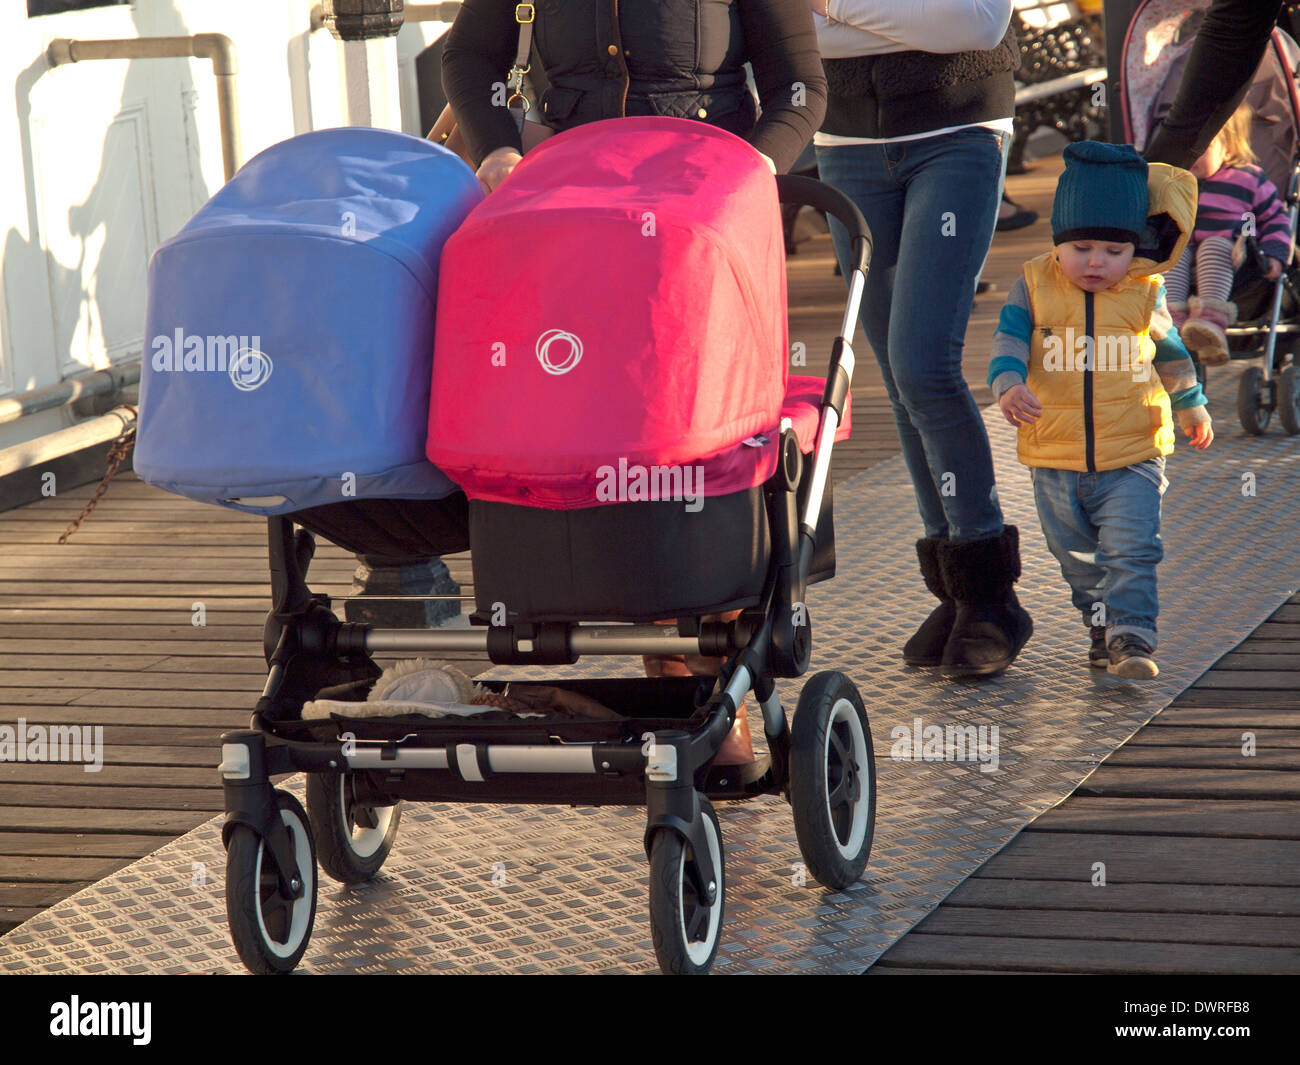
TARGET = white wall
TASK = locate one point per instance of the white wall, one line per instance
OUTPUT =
(108, 158)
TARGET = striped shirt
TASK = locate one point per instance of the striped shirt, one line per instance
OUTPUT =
(1232, 196)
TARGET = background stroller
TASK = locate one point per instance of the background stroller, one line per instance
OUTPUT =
(753, 548)
(1156, 48)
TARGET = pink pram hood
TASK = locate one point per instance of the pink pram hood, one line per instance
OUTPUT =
(621, 297)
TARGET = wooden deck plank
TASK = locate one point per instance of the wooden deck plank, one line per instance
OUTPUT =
(1255, 680)
(36, 893)
(1113, 925)
(1244, 697)
(1172, 817)
(76, 845)
(1226, 736)
(16, 869)
(63, 819)
(175, 799)
(1218, 715)
(1188, 783)
(137, 681)
(1148, 859)
(954, 953)
(120, 777)
(1200, 758)
(129, 715)
(1138, 897)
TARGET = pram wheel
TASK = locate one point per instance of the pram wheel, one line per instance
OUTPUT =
(1288, 400)
(270, 931)
(1254, 415)
(686, 931)
(352, 839)
(832, 780)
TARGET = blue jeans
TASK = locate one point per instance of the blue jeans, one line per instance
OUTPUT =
(1104, 529)
(931, 205)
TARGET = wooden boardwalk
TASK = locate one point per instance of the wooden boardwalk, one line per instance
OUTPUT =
(101, 632)
(1201, 846)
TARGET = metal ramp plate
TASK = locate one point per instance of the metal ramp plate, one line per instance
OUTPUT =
(529, 889)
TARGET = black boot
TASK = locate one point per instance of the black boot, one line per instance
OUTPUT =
(926, 647)
(991, 626)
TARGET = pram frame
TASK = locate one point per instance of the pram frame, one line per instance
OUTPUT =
(1274, 384)
(771, 640)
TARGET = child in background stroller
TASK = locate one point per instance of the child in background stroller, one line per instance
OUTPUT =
(637, 193)
(1156, 46)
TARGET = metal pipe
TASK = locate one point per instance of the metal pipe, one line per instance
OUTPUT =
(105, 382)
(216, 47)
(75, 438)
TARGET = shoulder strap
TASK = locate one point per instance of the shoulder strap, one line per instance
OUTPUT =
(525, 14)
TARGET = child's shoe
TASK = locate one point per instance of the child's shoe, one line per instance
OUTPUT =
(1098, 655)
(1132, 657)
(1203, 332)
(1178, 312)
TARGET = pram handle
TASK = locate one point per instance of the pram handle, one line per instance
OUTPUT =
(809, 192)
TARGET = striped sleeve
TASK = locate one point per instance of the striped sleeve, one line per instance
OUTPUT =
(1010, 363)
(1172, 360)
(1272, 223)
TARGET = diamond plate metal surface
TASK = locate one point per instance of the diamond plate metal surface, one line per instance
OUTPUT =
(526, 889)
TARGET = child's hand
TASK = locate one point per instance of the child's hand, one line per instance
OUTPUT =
(1019, 405)
(1274, 269)
(1201, 435)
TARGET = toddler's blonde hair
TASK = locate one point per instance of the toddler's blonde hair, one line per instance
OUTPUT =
(1234, 138)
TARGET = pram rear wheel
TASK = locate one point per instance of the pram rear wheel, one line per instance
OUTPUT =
(1288, 400)
(686, 931)
(270, 931)
(352, 839)
(1253, 414)
(832, 780)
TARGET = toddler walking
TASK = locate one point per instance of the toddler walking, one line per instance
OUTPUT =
(1235, 200)
(1081, 330)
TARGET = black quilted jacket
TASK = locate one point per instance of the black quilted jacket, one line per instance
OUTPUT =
(610, 58)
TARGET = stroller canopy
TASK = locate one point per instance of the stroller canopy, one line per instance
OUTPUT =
(620, 297)
(289, 331)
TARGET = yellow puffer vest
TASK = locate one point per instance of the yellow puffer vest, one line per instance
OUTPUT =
(1090, 353)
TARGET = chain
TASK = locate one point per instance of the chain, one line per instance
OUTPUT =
(116, 456)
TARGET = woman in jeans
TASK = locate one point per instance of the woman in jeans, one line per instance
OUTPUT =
(920, 99)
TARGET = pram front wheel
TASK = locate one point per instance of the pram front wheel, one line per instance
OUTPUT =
(1254, 415)
(270, 931)
(832, 780)
(1288, 400)
(352, 838)
(685, 929)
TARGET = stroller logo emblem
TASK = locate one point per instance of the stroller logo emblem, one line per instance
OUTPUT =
(250, 369)
(569, 346)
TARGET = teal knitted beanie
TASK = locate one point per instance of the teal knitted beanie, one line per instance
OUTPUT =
(1102, 195)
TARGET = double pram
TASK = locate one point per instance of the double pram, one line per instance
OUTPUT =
(1157, 45)
(644, 341)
